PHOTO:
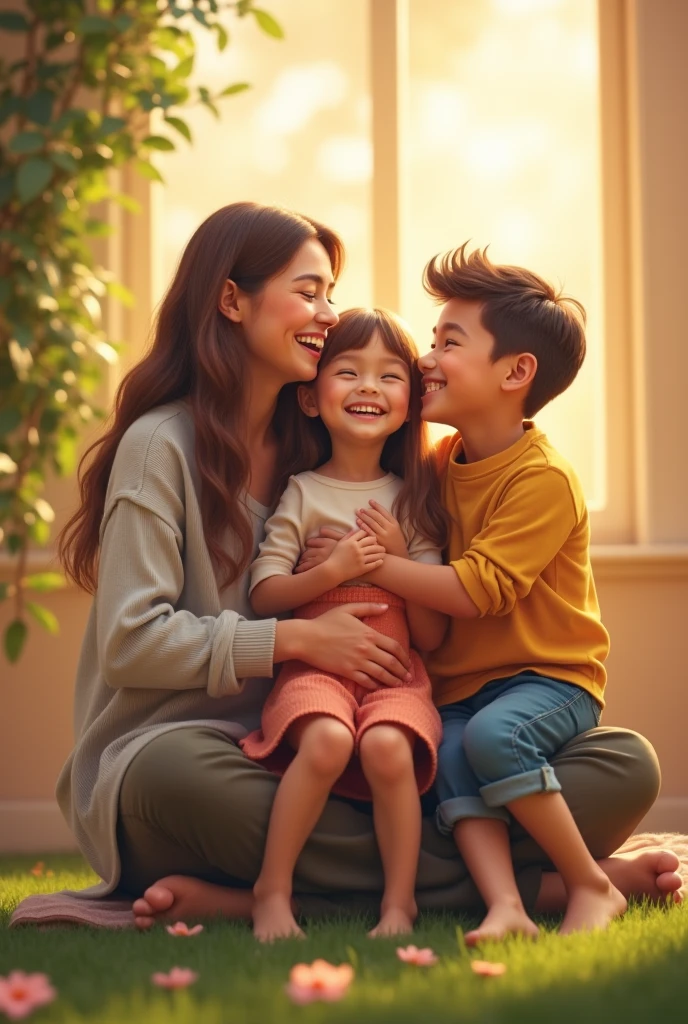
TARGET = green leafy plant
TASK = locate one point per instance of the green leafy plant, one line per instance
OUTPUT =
(75, 104)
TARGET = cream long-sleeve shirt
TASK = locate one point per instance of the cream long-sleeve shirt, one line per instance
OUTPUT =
(311, 500)
(164, 647)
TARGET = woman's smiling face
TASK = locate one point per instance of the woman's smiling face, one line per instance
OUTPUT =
(286, 323)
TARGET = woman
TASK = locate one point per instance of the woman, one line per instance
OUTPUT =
(174, 668)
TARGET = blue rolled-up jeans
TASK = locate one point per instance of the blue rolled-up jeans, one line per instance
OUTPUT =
(496, 744)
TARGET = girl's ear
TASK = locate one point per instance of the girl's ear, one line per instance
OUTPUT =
(229, 304)
(307, 402)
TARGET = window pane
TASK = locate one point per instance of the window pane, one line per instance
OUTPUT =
(300, 137)
(503, 149)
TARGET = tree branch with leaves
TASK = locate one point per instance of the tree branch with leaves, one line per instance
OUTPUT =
(74, 105)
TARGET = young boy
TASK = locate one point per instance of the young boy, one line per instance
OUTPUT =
(521, 670)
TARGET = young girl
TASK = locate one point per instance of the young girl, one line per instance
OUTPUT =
(367, 442)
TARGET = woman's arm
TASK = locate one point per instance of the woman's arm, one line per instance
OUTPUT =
(146, 641)
(354, 555)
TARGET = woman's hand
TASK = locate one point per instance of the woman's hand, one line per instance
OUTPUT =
(382, 525)
(339, 642)
(355, 554)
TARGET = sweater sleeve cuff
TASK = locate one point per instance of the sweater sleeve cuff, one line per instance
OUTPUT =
(472, 586)
(253, 647)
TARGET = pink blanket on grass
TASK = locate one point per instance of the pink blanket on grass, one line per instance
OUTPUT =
(115, 910)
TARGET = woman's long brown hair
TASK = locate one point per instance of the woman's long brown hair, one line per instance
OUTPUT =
(198, 354)
(408, 451)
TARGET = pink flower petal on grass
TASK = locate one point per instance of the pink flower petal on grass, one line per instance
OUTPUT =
(318, 981)
(183, 929)
(420, 957)
(21, 994)
(487, 968)
(179, 977)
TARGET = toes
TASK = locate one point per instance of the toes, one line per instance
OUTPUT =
(159, 898)
(669, 881)
(142, 908)
(667, 862)
(143, 922)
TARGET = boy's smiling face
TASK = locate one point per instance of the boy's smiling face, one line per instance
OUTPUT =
(461, 384)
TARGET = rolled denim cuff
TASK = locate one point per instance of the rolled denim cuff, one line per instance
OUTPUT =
(458, 807)
(539, 780)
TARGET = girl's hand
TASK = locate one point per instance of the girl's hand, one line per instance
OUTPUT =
(318, 549)
(338, 642)
(355, 555)
(382, 525)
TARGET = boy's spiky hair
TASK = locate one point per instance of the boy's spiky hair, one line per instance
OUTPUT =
(523, 313)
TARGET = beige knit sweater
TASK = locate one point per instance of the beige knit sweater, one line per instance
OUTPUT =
(164, 648)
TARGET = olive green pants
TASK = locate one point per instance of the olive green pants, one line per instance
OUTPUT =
(191, 803)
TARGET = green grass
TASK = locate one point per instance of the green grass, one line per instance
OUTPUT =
(635, 971)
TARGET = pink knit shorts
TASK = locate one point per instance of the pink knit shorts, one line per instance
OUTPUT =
(303, 690)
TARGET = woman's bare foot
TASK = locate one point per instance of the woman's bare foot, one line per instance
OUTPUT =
(181, 897)
(593, 906)
(644, 873)
(273, 919)
(503, 919)
(394, 921)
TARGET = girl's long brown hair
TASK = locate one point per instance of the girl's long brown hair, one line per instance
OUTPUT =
(198, 354)
(408, 451)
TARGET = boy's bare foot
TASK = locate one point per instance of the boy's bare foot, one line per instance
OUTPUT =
(593, 906)
(503, 919)
(273, 919)
(394, 921)
(181, 897)
(649, 873)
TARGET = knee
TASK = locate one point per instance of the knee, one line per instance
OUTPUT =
(386, 753)
(327, 745)
(489, 749)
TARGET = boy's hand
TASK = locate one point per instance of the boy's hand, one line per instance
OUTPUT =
(382, 525)
(355, 555)
(319, 548)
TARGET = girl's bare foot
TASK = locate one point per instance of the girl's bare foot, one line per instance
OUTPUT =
(503, 919)
(181, 897)
(591, 907)
(649, 873)
(273, 919)
(394, 921)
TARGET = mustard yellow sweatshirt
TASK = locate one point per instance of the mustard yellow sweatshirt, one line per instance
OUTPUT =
(519, 542)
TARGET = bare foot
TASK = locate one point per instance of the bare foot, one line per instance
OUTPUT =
(593, 906)
(180, 897)
(650, 873)
(643, 873)
(273, 919)
(394, 921)
(503, 919)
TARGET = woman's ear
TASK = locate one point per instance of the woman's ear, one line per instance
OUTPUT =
(307, 402)
(229, 304)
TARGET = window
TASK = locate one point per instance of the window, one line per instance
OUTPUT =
(497, 102)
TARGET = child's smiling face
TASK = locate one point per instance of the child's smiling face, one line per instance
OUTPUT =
(361, 395)
(461, 383)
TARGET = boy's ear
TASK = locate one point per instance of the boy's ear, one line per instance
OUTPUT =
(307, 401)
(521, 372)
(229, 302)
